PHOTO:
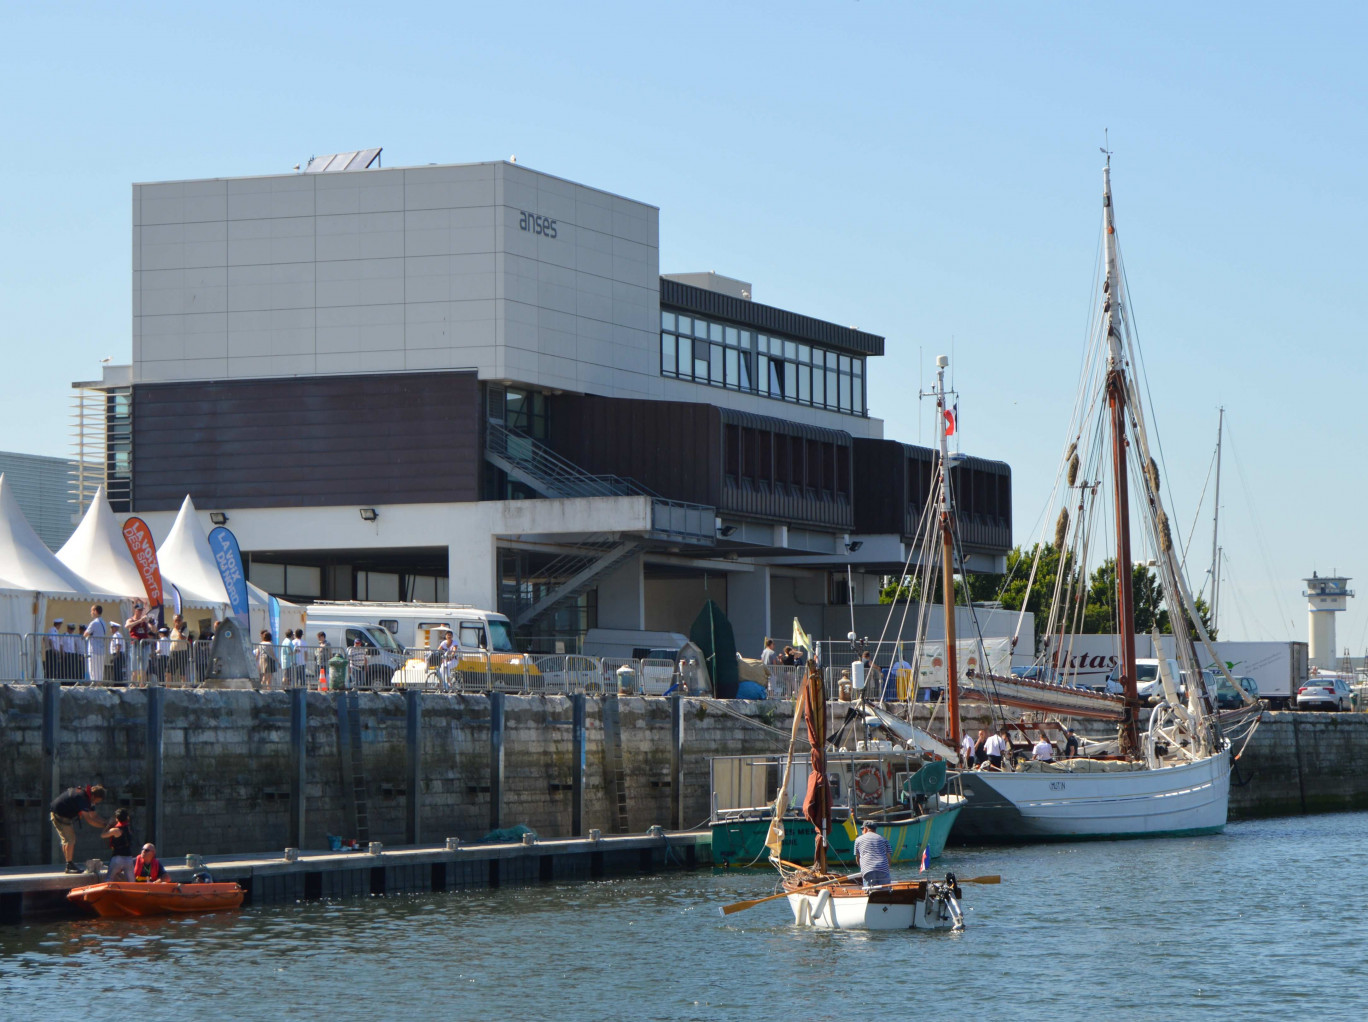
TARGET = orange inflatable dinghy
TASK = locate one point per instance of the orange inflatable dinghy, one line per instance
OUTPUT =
(143, 899)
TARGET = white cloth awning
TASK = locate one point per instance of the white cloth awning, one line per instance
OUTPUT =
(27, 563)
(97, 551)
(188, 563)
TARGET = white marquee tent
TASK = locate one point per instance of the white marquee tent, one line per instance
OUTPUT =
(188, 562)
(97, 551)
(35, 578)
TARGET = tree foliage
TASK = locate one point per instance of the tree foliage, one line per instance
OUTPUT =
(1010, 590)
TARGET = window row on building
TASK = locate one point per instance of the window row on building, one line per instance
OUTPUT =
(721, 355)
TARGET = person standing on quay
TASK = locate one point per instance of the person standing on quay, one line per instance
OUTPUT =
(97, 642)
(266, 661)
(139, 627)
(118, 665)
(120, 836)
(68, 809)
(52, 650)
(71, 653)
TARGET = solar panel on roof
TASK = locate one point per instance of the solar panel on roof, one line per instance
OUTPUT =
(357, 159)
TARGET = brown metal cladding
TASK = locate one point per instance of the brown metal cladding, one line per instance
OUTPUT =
(698, 453)
(893, 482)
(395, 438)
(670, 447)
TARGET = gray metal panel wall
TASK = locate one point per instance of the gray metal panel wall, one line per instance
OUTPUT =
(400, 438)
(42, 488)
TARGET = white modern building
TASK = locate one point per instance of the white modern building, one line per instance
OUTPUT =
(472, 383)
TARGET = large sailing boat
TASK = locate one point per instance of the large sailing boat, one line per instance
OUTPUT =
(1175, 777)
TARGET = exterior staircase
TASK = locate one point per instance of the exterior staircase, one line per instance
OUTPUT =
(538, 467)
(575, 573)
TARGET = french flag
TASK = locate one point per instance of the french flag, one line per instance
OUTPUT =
(925, 860)
(951, 414)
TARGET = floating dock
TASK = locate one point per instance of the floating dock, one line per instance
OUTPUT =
(29, 892)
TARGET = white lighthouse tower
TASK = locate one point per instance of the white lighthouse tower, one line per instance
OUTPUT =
(1325, 597)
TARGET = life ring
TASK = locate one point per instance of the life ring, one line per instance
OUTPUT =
(869, 784)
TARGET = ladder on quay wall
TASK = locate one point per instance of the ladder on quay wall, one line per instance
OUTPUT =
(4, 831)
(352, 763)
(612, 764)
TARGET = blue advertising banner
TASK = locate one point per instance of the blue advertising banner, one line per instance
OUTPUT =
(228, 557)
(275, 619)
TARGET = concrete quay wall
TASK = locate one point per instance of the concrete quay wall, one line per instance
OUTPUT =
(226, 765)
(1300, 762)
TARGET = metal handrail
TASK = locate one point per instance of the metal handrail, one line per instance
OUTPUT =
(557, 472)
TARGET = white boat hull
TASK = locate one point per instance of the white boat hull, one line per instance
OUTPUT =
(889, 909)
(1191, 798)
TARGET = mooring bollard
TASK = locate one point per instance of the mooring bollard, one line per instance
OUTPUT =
(292, 855)
(595, 834)
(375, 848)
(453, 843)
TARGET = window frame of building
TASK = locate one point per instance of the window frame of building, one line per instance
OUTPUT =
(720, 354)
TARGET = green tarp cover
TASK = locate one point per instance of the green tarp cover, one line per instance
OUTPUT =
(927, 781)
(507, 835)
(712, 633)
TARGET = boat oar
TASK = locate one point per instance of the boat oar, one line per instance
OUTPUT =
(991, 879)
(741, 906)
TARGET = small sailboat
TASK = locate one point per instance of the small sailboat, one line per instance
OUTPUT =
(825, 900)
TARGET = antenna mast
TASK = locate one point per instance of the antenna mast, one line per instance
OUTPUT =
(1215, 528)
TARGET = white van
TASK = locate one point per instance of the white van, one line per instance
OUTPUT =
(1149, 686)
(384, 655)
(420, 625)
(632, 643)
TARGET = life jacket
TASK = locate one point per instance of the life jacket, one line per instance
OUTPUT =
(122, 843)
(145, 870)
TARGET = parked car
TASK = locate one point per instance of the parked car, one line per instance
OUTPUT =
(1227, 698)
(1325, 692)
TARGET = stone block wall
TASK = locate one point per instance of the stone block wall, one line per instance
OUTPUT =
(1301, 762)
(226, 765)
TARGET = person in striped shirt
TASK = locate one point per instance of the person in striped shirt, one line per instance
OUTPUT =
(872, 854)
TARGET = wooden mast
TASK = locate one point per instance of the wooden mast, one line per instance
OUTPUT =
(947, 564)
(1113, 313)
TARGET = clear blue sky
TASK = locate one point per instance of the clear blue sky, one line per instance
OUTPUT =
(926, 172)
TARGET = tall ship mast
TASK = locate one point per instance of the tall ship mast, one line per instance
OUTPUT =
(1171, 776)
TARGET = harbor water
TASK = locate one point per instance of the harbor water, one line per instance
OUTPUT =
(1263, 921)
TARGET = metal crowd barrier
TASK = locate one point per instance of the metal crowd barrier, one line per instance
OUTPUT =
(115, 662)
